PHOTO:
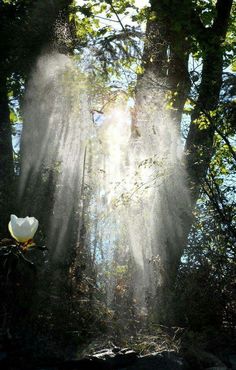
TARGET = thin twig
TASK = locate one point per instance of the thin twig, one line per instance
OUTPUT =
(117, 16)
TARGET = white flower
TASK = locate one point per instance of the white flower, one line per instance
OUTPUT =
(23, 229)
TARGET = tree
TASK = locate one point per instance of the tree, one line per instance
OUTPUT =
(26, 28)
(176, 30)
(6, 161)
(177, 33)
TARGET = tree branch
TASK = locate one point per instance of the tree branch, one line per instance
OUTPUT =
(223, 9)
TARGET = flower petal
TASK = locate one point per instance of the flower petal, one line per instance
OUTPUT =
(34, 227)
(22, 229)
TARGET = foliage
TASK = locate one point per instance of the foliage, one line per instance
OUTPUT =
(109, 46)
(112, 56)
(206, 279)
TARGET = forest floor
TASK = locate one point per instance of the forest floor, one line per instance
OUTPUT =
(167, 349)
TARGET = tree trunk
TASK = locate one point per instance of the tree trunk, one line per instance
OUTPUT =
(165, 61)
(6, 161)
(199, 143)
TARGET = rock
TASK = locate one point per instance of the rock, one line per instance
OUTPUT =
(160, 361)
(124, 350)
(85, 364)
(104, 355)
(116, 349)
(124, 359)
(117, 358)
(199, 359)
